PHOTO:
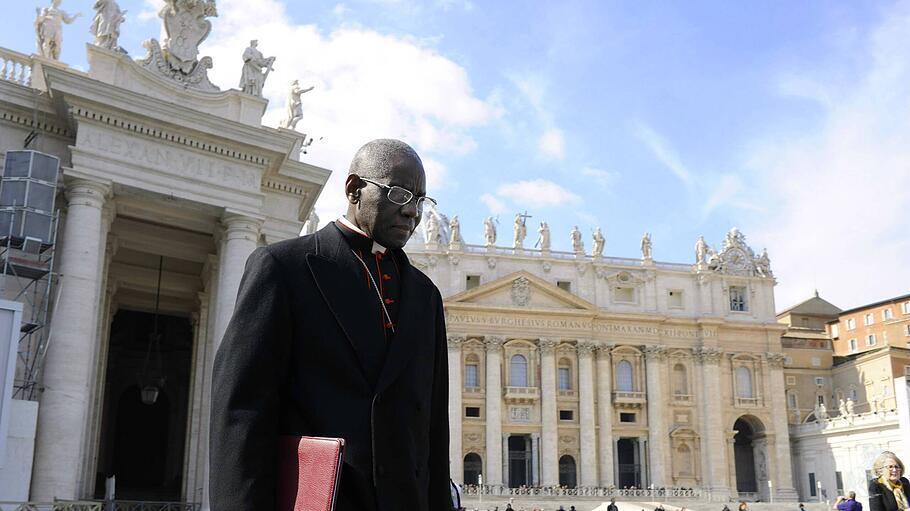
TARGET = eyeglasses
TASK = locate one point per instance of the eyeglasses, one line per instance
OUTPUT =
(893, 467)
(402, 196)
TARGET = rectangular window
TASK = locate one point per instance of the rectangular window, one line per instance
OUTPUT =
(812, 490)
(626, 417)
(886, 314)
(820, 398)
(834, 331)
(565, 285)
(472, 411)
(791, 400)
(905, 307)
(816, 362)
(566, 415)
(839, 478)
(565, 382)
(470, 376)
(624, 294)
(907, 329)
(471, 281)
(851, 324)
(868, 319)
(819, 381)
(675, 298)
(738, 299)
(791, 380)
(852, 345)
(870, 340)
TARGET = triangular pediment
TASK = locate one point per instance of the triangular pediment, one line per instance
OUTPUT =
(521, 290)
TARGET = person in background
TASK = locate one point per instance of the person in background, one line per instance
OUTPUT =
(890, 490)
(847, 502)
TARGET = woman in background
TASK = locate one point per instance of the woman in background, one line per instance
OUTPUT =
(890, 490)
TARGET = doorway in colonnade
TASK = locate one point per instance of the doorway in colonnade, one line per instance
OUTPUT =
(568, 471)
(473, 468)
(628, 460)
(750, 457)
(519, 461)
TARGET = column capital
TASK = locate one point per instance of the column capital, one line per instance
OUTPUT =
(585, 348)
(493, 343)
(707, 355)
(605, 350)
(239, 226)
(655, 353)
(85, 192)
(547, 346)
(454, 341)
(775, 360)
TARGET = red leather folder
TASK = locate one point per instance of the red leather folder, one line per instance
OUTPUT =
(308, 472)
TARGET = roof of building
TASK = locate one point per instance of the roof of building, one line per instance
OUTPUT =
(876, 304)
(815, 306)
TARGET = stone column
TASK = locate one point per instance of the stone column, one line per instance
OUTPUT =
(70, 359)
(780, 447)
(239, 238)
(549, 442)
(586, 413)
(210, 285)
(535, 459)
(658, 433)
(505, 459)
(456, 461)
(605, 415)
(493, 418)
(197, 433)
(716, 472)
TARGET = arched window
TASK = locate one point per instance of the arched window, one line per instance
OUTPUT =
(680, 381)
(567, 471)
(624, 376)
(744, 382)
(518, 371)
(792, 400)
(564, 374)
(473, 467)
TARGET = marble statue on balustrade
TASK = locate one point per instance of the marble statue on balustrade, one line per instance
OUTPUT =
(49, 29)
(543, 237)
(875, 403)
(295, 105)
(763, 264)
(432, 229)
(849, 406)
(842, 407)
(455, 240)
(821, 412)
(645, 246)
(578, 245)
(489, 231)
(106, 24)
(701, 252)
(256, 69)
(520, 231)
(312, 223)
(598, 247)
(176, 57)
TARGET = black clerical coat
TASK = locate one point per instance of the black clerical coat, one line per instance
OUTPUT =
(303, 355)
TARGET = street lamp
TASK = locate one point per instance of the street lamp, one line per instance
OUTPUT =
(818, 487)
(770, 491)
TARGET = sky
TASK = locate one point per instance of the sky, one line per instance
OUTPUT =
(789, 120)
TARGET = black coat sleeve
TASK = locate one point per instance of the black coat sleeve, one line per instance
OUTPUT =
(876, 502)
(440, 494)
(250, 369)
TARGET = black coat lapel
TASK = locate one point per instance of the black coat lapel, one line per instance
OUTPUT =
(340, 281)
(413, 314)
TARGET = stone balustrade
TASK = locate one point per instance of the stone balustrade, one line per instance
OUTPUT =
(473, 490)
(15, 67)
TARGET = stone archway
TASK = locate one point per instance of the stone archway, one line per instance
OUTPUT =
(750, 456)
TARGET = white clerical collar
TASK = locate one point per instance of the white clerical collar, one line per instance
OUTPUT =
(350, 225)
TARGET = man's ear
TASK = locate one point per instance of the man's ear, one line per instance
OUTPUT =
(352, 186)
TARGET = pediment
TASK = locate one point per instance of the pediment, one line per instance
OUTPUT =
(521, 290)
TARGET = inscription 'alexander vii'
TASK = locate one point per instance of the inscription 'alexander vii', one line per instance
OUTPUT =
(175, 161)
(632, 330)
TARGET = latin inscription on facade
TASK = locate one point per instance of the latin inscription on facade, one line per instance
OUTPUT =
(603, 327)
(170, 160)
(520, 414)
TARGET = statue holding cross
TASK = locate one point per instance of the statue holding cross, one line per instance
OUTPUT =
(521, 230)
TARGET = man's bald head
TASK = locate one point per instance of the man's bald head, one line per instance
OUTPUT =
(377, 158)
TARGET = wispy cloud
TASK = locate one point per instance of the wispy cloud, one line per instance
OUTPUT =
(603, 178)
(532, 88)
(839, 193)
(551, 143)
(664, 153)
(537, 193)
(495, 205)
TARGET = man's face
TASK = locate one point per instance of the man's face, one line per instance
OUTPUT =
(390, 224)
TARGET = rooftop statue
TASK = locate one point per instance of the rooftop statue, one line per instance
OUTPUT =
(184, 27)
(578, 246)
(521, 230)
(252, 78)
(312, 223)
(106, 24)
(489, 231)
(49, 29)
(646, 246)
(598, 249)
(543, 239)
(454, 232)
(295, 106)
(701, 251)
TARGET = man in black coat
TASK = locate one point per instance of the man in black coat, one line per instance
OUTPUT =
(335, 334)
